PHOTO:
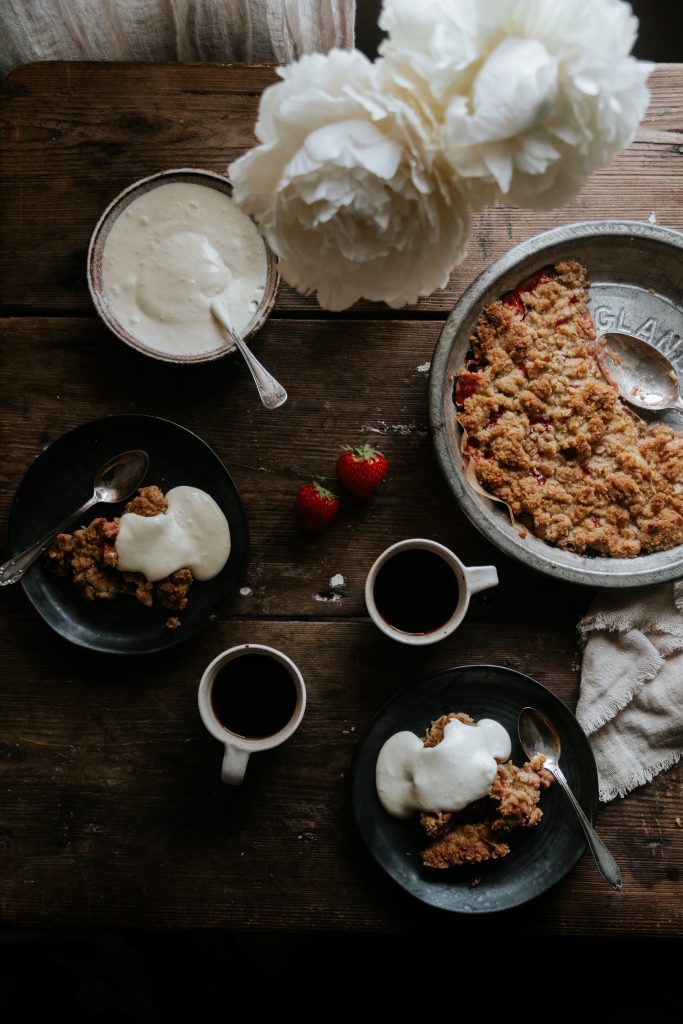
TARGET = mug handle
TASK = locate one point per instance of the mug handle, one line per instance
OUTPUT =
(234, 765)
(481, 577)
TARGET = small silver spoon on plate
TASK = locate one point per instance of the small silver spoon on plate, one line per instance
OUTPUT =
(271, 393)
(539, 736)
(643, 375)
(115, 481)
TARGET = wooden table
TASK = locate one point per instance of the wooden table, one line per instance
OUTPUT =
(111, 809)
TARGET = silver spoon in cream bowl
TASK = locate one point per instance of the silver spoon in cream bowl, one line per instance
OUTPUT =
(271, 393)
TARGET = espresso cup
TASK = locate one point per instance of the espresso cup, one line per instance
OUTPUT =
(251, 698)
(418, 591)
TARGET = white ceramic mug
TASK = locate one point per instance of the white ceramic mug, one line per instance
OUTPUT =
(470, 580)
(238, 748)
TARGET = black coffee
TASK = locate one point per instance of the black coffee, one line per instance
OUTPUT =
(253, 696)
(416, 591)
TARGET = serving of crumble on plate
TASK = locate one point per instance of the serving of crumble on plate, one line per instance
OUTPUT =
(55, 484)
(88, 556)
(536, 858)
(479, 832)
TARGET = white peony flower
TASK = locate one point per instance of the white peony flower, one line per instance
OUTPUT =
(532, 96)
(348, 186)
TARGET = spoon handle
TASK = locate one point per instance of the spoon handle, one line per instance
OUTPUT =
(271, 393)
(605, 862)
(14, 568)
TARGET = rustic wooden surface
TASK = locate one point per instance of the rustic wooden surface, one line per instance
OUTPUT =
(112, 812)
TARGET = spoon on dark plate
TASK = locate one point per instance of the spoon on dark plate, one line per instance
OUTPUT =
(643, 375)
(115, 481)
(539, 736)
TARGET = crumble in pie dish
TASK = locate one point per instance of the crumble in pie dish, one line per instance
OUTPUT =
(546, 433)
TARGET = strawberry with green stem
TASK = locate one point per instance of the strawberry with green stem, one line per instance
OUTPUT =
(361, 469)
(315, 507)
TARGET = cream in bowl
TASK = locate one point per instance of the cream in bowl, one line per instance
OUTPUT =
(163, 251)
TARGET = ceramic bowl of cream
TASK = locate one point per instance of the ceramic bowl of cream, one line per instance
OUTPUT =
(163, 250)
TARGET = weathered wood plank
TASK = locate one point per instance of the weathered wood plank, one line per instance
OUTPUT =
(347, 381)
(112, 813)
(73, 135)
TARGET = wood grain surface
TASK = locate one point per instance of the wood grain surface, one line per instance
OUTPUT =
(111, 808)
(114, 812)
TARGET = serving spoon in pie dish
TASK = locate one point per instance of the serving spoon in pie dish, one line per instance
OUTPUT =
(643, 375)
(538, 735)
(115, 481)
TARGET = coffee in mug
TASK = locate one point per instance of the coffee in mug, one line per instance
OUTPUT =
(251, 698)
(418, 590)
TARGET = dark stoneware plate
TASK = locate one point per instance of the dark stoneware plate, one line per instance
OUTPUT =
(539, 857)
(61, 479)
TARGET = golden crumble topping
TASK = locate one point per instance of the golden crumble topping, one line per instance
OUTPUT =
(477, 833)
(89, 556)
(547, 433)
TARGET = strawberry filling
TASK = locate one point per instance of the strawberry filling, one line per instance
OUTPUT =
(475, 452)
(109, 555)
(465, 386)
(513, 298)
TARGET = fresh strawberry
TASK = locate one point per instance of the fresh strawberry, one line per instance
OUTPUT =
(315, 507)
(361, 469)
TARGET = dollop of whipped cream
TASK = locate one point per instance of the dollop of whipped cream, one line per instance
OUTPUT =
(411, 777)
(192, 532)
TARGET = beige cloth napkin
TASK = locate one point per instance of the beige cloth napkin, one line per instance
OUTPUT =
(631, 699)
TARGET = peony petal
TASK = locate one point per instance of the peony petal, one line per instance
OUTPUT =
(354, 143)
(513, 91)
(541, 70)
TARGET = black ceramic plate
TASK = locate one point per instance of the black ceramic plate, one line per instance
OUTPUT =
(539, 857)
(61, 479)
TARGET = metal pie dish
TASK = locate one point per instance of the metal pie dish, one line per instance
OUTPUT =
(98, 241)
(636, 275)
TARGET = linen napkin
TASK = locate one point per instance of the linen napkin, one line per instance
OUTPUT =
(631, 699)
